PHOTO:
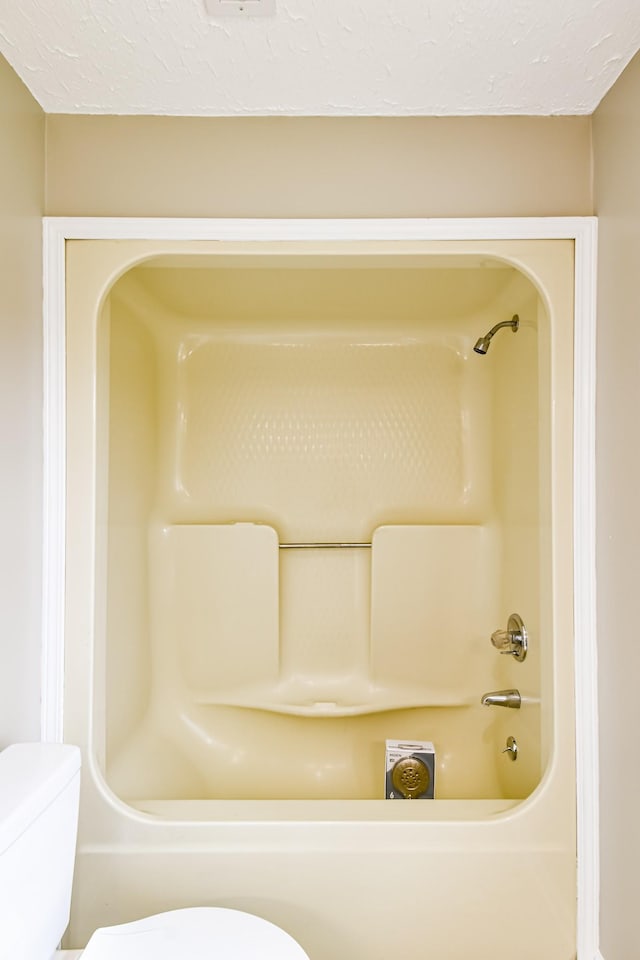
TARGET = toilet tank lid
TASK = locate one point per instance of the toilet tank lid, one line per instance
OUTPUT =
(32, 775)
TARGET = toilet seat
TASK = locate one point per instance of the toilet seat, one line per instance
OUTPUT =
(194, 933)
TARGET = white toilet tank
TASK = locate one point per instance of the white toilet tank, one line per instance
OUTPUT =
(39, 794)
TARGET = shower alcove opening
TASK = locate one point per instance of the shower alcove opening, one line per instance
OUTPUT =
(252, 405)
(238, 393)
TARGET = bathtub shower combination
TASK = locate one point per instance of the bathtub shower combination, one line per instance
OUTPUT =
(324, 475)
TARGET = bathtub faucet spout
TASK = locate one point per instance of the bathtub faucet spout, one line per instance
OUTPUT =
(502, 698)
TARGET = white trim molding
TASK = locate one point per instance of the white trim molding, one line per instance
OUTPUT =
(582, 230)
(54, 480)
(584, 596)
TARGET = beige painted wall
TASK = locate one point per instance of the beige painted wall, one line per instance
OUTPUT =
(318, 167)
(616, 128)
(21, 206)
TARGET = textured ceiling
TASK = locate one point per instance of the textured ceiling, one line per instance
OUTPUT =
(320, 57)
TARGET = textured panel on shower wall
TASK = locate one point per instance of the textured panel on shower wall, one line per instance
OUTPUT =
(434, 594)
(326, 438)
(214, 606)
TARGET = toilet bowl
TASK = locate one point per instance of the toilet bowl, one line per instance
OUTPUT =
(39, 795)
(195, 933)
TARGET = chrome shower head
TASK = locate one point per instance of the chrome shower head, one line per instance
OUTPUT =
(482, 345)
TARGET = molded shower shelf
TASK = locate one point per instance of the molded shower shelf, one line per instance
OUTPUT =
(379, 701)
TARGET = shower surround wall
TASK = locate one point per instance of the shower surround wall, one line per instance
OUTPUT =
(251, 397)
(362, 418)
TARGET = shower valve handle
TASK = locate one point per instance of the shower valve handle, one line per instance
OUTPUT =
(513, 641)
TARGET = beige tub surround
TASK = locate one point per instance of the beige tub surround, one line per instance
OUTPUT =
(310, 506)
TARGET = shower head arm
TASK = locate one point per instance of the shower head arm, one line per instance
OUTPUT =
(514, 323)
(482, 345)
